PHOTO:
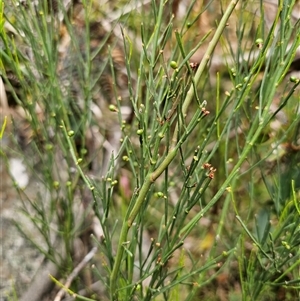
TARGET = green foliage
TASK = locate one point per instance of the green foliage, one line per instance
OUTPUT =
(193, 159)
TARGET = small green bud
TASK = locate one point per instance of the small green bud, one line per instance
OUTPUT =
(294, 79)
(125, 158)
(159, 194)
(228, 189)
(152, 162)
(173, 65)
(246, 79)
(71, 133)
(286, 245)
(69, 183)
(83, 151)
(224, 253)
(140, 131)
(79, 160)
(56, 184)
(239, 86)
(259, 43)
(113, 108)
(49, 147)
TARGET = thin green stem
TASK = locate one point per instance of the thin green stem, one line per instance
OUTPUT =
(186, 230)
(206, 57)
(151, 177)
(76, 161)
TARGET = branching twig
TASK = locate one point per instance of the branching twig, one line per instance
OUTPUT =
(151, 177)
(74, 274)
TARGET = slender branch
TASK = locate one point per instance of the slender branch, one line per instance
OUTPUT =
(74, 274)
(151, 177)
(206, 58)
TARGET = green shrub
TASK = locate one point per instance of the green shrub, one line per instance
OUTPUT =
(189, 188)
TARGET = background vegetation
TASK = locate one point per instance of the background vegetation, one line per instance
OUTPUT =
(160, 142)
